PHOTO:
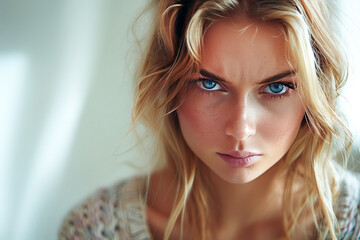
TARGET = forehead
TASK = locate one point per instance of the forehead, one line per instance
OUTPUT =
(242, 47)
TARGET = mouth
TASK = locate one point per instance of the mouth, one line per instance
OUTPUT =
(240, 159)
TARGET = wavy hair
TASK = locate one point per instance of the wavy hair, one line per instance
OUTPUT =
(173, 55)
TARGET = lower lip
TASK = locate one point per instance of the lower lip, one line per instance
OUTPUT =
(240, 162)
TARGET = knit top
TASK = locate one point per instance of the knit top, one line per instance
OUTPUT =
(119, 212)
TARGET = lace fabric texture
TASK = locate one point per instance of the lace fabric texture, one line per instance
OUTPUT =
(348, 206)
(114, 213)
(120, 212)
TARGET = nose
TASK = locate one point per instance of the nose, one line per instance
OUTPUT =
(241, 123)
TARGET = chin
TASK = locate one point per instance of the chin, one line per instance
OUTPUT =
(238, 178)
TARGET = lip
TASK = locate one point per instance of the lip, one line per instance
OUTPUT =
(240, 159)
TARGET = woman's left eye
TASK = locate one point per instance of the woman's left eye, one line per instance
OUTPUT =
(208, 85)
(276, 88)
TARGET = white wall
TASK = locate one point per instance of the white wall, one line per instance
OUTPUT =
(65, 98)
(351, 29)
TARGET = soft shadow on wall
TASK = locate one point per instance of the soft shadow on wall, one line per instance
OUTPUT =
(65, 98)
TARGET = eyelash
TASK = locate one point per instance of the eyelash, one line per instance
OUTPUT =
(201, 81)
(288, 85)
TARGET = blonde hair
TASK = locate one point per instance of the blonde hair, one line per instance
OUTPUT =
(173, 54)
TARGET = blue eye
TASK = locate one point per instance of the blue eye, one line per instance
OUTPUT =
(276, 88)
(208, 84)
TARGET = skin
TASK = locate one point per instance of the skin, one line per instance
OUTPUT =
(239, 112)
(240, 115)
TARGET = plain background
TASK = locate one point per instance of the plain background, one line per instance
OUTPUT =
(66, 72)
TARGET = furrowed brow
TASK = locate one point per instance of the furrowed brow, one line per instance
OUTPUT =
(271, 79)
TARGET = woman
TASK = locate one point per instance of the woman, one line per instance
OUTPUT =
(240, 95)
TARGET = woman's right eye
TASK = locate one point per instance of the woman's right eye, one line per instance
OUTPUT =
(208, 85)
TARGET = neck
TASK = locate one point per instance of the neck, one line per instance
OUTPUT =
(257, 203)
(246, 204)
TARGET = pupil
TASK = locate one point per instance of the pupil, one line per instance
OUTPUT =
(276, 87)
(209, 84)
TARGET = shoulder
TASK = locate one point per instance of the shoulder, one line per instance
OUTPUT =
(113, 213)
(348, 205)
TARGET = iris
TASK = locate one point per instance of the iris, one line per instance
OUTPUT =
(208, 84)
(276, 88)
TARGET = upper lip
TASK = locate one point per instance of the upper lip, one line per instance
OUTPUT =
(240, 154)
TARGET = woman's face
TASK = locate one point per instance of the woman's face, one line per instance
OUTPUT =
(242, 111)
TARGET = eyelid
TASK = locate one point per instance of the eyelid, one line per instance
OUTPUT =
(201, 79)
(291, 85)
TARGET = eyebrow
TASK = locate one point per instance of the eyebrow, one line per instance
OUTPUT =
(266, 80)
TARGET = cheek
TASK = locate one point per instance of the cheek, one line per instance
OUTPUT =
(198, 120)
(282, 124)
(190, 117)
